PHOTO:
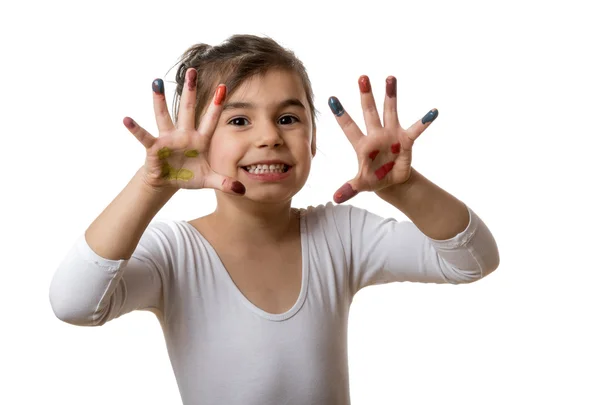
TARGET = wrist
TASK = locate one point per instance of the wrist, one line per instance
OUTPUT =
(402, 189)
(154, 191)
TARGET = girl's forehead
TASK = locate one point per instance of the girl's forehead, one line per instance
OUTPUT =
(274, 84)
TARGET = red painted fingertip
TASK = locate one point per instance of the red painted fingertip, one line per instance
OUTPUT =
(390, 86)
(345, 193)
(373, 154)
(129, 123)
(396, 148)
(364, 84)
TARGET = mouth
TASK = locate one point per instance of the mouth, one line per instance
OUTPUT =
(267, 168)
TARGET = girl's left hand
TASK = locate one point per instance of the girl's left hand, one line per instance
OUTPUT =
(385, 154)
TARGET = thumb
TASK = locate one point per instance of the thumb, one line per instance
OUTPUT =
(224, 183)
(346, 192)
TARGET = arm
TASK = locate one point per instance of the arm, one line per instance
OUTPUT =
(436, 213)
(118, 229)
(112, 269)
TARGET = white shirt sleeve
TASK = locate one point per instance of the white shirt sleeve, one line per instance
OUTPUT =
(382, 250)
(89, 290)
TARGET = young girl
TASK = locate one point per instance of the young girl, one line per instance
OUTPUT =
(254, 298)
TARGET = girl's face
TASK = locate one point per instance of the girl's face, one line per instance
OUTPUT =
(266, 119)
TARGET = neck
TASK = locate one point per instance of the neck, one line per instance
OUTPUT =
(251, 222)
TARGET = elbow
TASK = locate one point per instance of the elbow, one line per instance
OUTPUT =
(71, 312)
(485, 267)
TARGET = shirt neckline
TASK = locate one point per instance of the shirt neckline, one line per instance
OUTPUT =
(224, 274)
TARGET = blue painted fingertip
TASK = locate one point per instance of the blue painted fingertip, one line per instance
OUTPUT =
(336, 106)
(158, 86)
(429, 117)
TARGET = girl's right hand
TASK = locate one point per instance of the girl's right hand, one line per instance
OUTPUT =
(179, 156)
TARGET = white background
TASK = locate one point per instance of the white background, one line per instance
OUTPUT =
(516, 85)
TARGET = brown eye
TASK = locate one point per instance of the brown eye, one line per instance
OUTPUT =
(239, 121)
(289, 119)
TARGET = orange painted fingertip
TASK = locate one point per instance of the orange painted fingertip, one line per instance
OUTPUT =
(220, 94)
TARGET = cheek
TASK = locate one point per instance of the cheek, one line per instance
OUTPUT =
(223, 153)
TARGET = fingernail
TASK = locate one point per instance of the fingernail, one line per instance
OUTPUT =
(158, 86)
(192, 76)
(238, 187)
(429, 117)
(220, 94)
(390, 86)
(364, 84)
(345, 193)
(336, 106)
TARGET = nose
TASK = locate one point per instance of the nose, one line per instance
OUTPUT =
(269, 136)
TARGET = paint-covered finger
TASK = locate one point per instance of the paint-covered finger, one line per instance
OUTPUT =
(346, 192)
(226, 184)
(352, 131)
(161, 112)
(210, 119)
(368, 103)
(140, 133)
(187, 105)
(390, 104)
(418, 127)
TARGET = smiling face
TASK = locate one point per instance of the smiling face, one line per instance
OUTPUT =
(266, 119)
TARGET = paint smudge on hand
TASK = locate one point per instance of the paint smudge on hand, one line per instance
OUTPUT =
(168, 172)
(191, 153)
(164, 153)
(383, 170)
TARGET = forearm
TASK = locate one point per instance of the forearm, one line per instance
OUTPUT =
(436, 213)
(118, 229)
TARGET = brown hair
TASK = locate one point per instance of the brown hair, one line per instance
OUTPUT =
(238, 58)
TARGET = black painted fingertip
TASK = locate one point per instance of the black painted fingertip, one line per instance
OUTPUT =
(336, 106)
(158, 86)
(238, 187)
(429, 117)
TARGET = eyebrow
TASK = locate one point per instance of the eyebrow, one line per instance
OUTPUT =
(285, 103)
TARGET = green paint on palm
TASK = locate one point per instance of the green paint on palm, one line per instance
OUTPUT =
(164, 153)
(168, 172)
(191, 153)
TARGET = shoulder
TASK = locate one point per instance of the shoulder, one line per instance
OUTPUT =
(167, 234)
(337, 212)
(337, 216)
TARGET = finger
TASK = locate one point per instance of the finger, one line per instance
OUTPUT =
(140, 133)
(418, 127)
(161, 112)
(187, 104)
(224, 183)
(390, 104)
(346, 192)
(352, 131)
(368, 103)
(210, 119)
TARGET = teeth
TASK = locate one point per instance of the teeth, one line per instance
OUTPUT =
(258, 169)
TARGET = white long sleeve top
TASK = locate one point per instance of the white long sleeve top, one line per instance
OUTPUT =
(225, 350)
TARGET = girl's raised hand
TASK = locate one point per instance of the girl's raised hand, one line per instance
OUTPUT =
(178, 157)
(385, 153)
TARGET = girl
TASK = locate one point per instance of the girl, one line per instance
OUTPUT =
(254, 298)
